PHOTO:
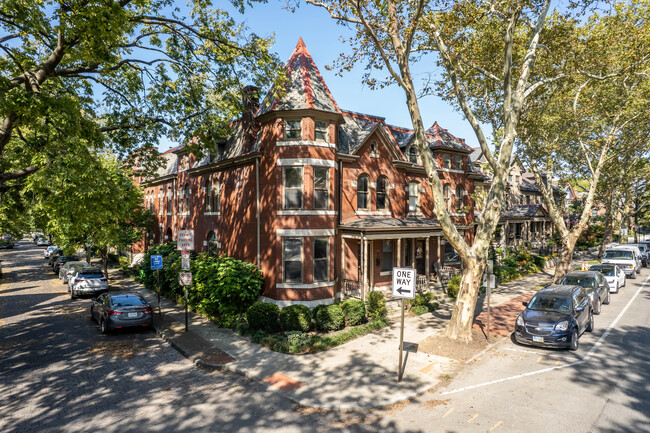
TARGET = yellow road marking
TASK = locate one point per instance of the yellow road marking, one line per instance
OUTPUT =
(557, 362)
(473, 418)
(448, 412)
(496, 425)
(539, 359)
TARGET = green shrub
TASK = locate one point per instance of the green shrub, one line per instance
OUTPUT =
(354, 311)
(509, 262)
(297, 341)
(263, 316)
(295, 318)
(539, 261)
(419, 310)
(376, 305)
(423, 299)
(453, 286)
(330, 318)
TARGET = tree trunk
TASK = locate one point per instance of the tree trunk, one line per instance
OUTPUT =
(563, 264)
(607, 235)
(462, 318)
(88, 255)
(104, 254)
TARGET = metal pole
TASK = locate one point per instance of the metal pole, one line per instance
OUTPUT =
(401, 345)
(158, 283)
(186, 312)
(488, 308)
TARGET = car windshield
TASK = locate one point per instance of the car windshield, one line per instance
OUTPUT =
(68, 258)
(550, 302)
(573, 280)
(127, 301)
(617, 254)
(607, 271)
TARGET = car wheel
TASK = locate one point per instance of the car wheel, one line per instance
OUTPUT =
(72, 295)
(102, 326)
(597, 307)
(607, 299)
(92, 313)
(590, 323)
(633, 276)
(574, 340)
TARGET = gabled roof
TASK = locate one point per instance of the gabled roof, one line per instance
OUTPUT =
(440, 137)
(304, 88)
(524, 211)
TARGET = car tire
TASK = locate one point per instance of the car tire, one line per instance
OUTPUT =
(102, 326)
(72, 295)
(590, 323)
(598, 306)
(633, 276)
(574, 340)
(607, 298)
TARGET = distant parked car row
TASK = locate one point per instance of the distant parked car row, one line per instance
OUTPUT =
(6, 241)
(559, 314)
(110, 310)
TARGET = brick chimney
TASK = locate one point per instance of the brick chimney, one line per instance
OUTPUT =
(250, 103)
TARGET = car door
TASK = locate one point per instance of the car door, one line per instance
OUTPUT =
(581, 316)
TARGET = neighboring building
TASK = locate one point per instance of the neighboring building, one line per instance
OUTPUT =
(325, 201)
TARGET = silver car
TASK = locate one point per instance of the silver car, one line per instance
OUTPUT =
(87, 281)
(121, 310)
(66, 270)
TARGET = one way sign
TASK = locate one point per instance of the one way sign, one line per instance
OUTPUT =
(404, 283)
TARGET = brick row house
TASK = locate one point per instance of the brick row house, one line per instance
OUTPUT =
(325, 201)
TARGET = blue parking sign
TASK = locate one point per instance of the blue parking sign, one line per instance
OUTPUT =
(156, 262)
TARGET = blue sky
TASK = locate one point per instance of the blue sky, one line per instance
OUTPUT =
(322, 35)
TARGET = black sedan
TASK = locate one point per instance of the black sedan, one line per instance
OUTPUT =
(121, 310)
(595, 284)
(62, 260)
(555, 317)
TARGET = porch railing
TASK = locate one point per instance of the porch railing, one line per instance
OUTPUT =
(351, 289)
(421, 284)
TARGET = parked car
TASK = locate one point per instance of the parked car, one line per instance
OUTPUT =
(6, 241)
(87, 281)
(0, 268)
(613, 274)
(595, 285)
(636, 252)
(555, 317)
(42, 242)
(62, 260)
(624, 259)
(121, 310)
(69, 268)
(47, 252)
(643, 248)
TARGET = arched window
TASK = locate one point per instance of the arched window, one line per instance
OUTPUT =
(460, 198)
(382, 196)
(446, 193)
(212, 243)
(362, 192)
(161, 201)
(414, 192)
(216, 194)
(413, 155)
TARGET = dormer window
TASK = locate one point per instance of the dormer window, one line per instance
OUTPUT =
(373, 149)
(413, 155)
(320, 131)
(362, 192)
(292, 130)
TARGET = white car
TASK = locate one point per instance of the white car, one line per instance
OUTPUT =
(87, 281)
(623, 258)
(613, 274)
(47, 251)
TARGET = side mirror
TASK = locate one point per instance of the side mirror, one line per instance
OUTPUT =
(525, 304)
(579, 309)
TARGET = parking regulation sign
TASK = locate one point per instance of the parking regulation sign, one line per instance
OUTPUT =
(404, 283)
(156, 262)
(185, 260)
(185, 278)
(185, 240)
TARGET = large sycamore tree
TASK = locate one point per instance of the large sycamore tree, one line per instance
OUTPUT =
(119, 74)
(487, 52)
(596, 122)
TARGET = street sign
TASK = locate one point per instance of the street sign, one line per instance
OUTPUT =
(404, 283)
(185, 260)
(185, 278)
(185, 240)
(156, 262)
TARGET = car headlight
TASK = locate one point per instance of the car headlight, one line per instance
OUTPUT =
(520, 321)
(562, 326)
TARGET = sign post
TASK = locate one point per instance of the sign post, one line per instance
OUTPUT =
(185, 243)
(157, 264)
(403, 287)
(490, 282)
(185, 279)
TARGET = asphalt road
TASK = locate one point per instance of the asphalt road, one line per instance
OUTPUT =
(58, 373)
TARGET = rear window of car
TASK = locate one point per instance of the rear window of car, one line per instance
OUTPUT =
(127, 301)
(607, 271)
(68, 258)
(91, 274)
(618, 254)
(579, 281)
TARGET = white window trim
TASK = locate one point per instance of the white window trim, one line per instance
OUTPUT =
(372, 212)
(313, 259)
(296, 212)
(307, 143)
(291, 162)
(286, 129)
(297, 233)
(302, 259)
(384, 273)
(451, 170)
(304, 285)
(327, 188)
(212, 213)
(369, 196)
(284, 188)
(327, 130)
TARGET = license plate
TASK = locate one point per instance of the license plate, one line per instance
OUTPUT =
(132, 315)
(538, 339)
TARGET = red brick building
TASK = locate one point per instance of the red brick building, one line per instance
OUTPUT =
(325, 201)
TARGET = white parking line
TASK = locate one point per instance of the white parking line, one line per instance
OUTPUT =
(570, 358)
(557, 367)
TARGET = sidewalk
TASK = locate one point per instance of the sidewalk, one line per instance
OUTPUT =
(361, 374)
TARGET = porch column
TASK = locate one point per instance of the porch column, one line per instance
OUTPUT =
(343, 272)
(441, 251)
(426, 258)
(413, 253)
(399, 252)
(363, 266)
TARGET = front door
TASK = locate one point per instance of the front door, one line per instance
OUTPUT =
(419, 256)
